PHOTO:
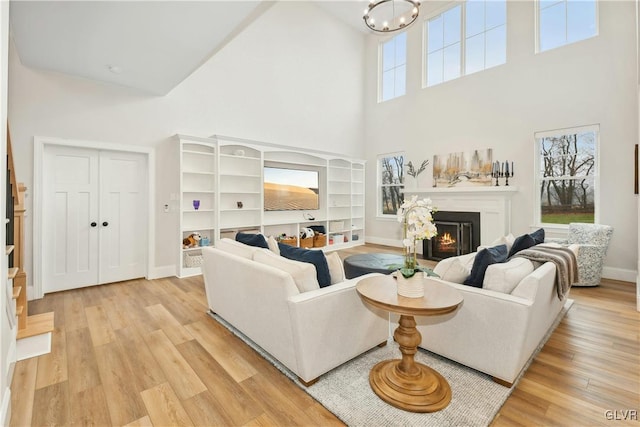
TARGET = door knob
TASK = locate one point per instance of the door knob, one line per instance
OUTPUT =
(104, 224)
(93, 224)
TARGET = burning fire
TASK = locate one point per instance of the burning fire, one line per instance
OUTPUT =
(446, 240)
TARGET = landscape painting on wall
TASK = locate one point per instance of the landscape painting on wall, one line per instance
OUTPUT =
(464, 169)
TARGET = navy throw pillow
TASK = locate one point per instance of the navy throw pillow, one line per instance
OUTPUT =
(484, 259)
(538, 236)
(316, 258)
(526, 241)
(252, 240)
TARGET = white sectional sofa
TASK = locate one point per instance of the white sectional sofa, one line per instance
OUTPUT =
(495, 332)
(308, 331)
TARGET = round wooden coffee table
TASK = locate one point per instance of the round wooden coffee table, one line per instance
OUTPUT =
(405, 383)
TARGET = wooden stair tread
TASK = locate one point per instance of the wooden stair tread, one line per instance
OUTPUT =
(13, 272)
(37, 324)
(9, 249)
(16, 291)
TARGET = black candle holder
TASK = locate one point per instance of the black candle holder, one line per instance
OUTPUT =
(507, 176)
(496, 174)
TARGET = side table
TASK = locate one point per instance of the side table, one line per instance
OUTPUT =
(405, 383)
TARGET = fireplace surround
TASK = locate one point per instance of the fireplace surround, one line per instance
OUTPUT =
(458, 234)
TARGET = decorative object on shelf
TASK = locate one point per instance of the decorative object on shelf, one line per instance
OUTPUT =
(385, 16)
(204, 241)
(191, 241)
(412, 172)
(463, 169)
(319, 240)
(336, 226)
(240, 205)
(306, 237)
(416, 217)
(308, 216)
(288, 240)
(192, 260)
(238, 152)
(500, 170)
(196, 204)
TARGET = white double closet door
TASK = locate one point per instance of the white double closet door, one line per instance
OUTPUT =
(94, 218)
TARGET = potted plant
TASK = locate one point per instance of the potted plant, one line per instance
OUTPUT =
(416, 217)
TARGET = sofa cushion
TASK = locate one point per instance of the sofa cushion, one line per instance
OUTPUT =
(504, 277)
(273, 245)
(484, 259)
(315, 257)
(526, 241)
(252, 240)
(336, 268)
(455, 271)
(236, 248)
(303, 273)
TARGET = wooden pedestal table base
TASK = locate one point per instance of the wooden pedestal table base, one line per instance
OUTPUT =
(405, 383)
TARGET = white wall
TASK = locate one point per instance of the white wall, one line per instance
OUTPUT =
(592, 81)
(283, 80)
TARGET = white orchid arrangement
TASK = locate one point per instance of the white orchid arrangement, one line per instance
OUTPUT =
(416, 217)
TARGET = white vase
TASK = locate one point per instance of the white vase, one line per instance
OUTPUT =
(412, 287)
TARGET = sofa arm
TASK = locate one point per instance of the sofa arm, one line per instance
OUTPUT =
(332, 325)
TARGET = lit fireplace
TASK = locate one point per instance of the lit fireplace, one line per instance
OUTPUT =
(446, 243)
(458, 234)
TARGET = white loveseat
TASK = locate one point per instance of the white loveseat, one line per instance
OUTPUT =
(309, 332)
(495, 332)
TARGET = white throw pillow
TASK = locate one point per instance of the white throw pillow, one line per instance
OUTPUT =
(456, 272)
(236, 248)
(303, 273)
(504, 277)
(273, 245)
(336, 268)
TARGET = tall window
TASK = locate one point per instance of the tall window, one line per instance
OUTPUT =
(391, 183)
(465, 39)
(394, 67)
(567, 175)
(562, 22)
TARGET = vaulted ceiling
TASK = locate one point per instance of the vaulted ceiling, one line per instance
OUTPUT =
(151, 46)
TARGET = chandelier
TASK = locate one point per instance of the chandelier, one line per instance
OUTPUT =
(385, 16)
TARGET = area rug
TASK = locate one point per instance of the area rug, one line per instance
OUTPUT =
(345, 391)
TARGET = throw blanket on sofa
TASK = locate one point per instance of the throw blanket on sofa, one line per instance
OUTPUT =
(563, 258)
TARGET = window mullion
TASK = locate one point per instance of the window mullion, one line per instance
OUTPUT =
(463, 40)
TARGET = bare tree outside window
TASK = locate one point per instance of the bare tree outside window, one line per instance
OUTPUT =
(391, 169)
(567, 177)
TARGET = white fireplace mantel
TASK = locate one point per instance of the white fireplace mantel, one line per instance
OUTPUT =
(493, 203)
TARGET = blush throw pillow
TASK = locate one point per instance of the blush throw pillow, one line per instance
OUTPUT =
(316, 258)
(484, 259)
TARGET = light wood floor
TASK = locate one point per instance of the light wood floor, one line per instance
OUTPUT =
(145, 353)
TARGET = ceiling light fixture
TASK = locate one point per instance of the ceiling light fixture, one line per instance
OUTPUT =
(393, 14)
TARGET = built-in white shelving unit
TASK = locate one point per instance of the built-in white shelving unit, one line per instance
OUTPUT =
(197, 183)
(226, 175)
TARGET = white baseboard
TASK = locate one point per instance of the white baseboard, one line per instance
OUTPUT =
(623, 274)
(162, 271)
(382, 241)
(5, 410)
